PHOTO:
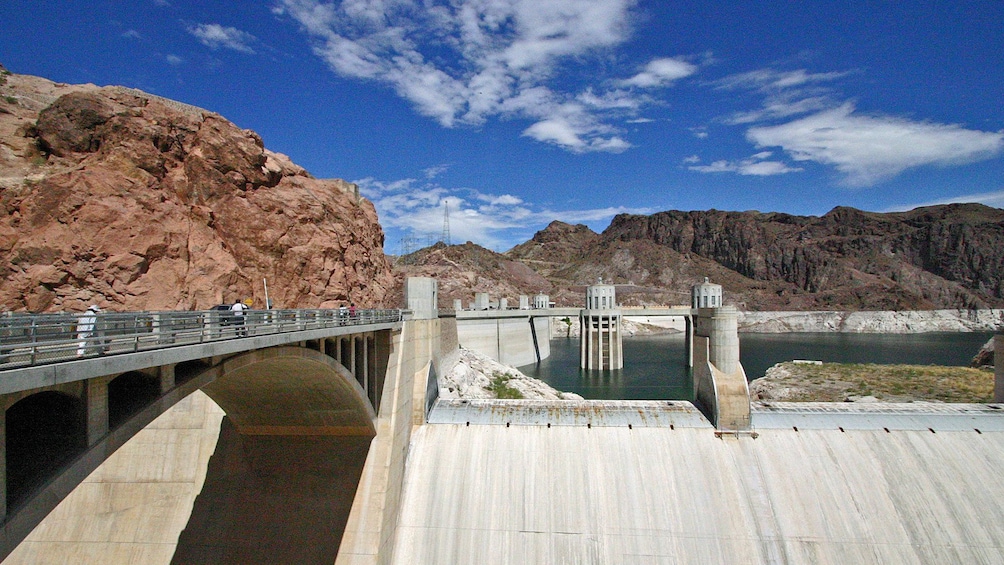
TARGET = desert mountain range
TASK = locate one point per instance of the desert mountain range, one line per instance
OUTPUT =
(115, 197)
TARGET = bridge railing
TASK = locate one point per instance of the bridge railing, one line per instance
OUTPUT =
(36, 339)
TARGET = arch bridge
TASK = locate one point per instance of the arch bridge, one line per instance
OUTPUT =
(295, 384)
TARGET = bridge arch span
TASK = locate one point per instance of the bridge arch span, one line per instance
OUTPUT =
(292, 391)
(291, 449)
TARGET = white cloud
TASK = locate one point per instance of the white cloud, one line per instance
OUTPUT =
(755, 165)
(132, 34)
(870, 149)
(771, 79)
(216, 36)
(408, 207)
(661, 72)
(786, 93)
(462, 62)
(700, 132)
(557, 131)
(782, 106)
(173, 60)
(435, 170)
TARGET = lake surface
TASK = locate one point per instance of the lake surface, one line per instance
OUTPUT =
(655, 366)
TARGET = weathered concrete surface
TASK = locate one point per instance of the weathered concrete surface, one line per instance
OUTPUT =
(999, 367)
(371, 531)
(132, 508)
(723, 397)
(510, 337)
(270, 499)
(595, 413)
(533, 494)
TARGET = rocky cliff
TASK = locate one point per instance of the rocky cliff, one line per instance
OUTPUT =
(130, 201)
(939, 257)
(463, 270)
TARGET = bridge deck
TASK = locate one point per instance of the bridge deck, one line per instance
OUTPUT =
(45, 349)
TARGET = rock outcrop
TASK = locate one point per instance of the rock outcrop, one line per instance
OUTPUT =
(130, 201)
(935, 257)
(463, 270)
(938, 257)
(476, 375)
(985, 357)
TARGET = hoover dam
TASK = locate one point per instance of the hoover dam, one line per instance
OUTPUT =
(491, 481)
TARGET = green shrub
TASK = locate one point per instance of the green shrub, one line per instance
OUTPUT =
(500, 387)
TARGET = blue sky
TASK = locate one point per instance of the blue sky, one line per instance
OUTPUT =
(514, 113)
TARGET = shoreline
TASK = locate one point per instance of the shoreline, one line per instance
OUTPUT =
(872, 383)
(880, 321)
(821, 321)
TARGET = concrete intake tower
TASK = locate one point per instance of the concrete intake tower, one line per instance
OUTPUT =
(600, 345)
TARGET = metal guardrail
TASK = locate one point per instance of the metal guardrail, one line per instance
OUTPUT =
(38, 339)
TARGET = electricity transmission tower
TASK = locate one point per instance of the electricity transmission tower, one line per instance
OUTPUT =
(408, 245)
(446, 223)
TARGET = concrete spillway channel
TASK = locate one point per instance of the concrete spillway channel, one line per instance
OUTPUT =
(835, 487)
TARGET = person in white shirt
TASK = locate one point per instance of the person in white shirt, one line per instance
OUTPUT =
(238, 309)
(86, 326)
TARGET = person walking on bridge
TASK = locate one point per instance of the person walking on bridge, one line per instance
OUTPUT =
(238, 309)
(87, 332)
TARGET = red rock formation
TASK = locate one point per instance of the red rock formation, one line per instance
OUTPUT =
(115, 197)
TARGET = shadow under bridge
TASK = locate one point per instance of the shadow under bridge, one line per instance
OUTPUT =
(292, 446)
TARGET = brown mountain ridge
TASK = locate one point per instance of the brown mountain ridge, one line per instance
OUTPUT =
(935, 257)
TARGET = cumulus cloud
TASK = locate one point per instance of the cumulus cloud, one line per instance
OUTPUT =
(216, 36)
(661, 72)
(756, 165)
(871, 148)
(412, 208)
(463, 62)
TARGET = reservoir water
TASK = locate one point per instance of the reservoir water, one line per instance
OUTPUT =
(655, 366)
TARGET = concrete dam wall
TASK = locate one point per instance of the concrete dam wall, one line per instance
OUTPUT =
(560, 491)
(510, 337)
